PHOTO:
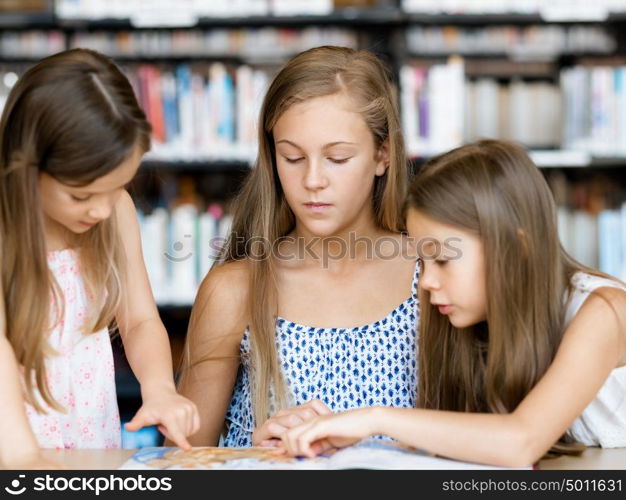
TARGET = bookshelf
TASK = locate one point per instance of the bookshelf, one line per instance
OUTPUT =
(551, 76)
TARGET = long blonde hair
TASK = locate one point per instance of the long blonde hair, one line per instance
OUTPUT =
(493, 189)
(75, 117)
(261, 212)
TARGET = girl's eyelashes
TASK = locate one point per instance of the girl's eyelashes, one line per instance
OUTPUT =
(425, 260)
(339, 160)
(76, 198)
(293, 160)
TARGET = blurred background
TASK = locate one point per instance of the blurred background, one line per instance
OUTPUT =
(549, 74)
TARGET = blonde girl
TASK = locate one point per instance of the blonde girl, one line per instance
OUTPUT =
(522, 350)
(312, 308)
(71, 138)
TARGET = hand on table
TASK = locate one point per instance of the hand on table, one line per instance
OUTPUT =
(269, 434)
(326, 432)
(176, 416)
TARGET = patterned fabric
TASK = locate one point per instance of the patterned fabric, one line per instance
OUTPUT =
(346, 368)
(603, 422)
(81, 377)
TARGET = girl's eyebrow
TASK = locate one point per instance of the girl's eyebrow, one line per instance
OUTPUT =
(288, 142)
(85, 191)
(331, 144)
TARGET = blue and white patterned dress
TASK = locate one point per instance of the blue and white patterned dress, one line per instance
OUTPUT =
(346, 368)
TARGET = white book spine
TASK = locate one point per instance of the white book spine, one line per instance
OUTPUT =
(207, 236)
(487, 108)
(183, 278)
(408, 105)
(154, 235)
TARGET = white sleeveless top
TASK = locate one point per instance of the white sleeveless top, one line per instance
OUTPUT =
(81, 376)
(603, 423)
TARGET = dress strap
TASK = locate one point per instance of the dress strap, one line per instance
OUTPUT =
(416, 277)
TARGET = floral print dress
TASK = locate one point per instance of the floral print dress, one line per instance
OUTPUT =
(81, 376)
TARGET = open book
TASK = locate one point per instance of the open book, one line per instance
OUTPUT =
(368, 454)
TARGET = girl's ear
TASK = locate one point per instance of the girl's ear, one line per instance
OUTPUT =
(382, 158)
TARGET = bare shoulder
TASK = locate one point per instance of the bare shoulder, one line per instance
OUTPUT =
(228, 280)
(615, 298)
(613, 295)
(603, 315)
(125, 212)
(607, 301)
(125, 204)
(221, 302)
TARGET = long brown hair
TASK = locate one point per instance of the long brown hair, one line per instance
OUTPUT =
(261, 212)
(75, 117)
(493, 189)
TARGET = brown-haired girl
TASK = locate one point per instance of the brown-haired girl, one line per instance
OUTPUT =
(71, 138)
(314, 301)
(521, 348)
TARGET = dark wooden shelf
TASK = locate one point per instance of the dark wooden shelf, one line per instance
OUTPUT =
(221, 166)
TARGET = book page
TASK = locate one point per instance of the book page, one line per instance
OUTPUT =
(368, 454)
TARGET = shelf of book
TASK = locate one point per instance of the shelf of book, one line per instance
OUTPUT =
(344, 17)
(509, 18)
(390, 16)
(564, 159)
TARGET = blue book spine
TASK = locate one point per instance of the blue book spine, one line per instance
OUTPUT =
(170, 107)
(226, 125)
(610, 242)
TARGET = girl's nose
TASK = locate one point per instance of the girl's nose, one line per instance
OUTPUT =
(428, 279)
(101, 210)
(314, 177)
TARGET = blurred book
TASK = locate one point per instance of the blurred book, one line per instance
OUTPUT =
(595, 110)
(179, 247)
(591, 219)
(368, 454)
(442, 108)
(432, 100)
(520, 43)
(144, 437)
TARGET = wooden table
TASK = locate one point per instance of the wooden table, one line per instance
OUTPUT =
(592, 458)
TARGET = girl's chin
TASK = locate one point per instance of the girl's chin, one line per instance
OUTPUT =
(80, 228)
(462, 323)
(320, 229)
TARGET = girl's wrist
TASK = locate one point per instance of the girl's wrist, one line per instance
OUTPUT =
(157, 388)
(375, 417)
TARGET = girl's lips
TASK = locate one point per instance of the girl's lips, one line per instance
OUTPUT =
(317, 207)
(88, 224)
(444, 309)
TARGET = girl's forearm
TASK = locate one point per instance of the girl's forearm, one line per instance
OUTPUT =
(148, 352)
(473, 437)
(17, 440)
